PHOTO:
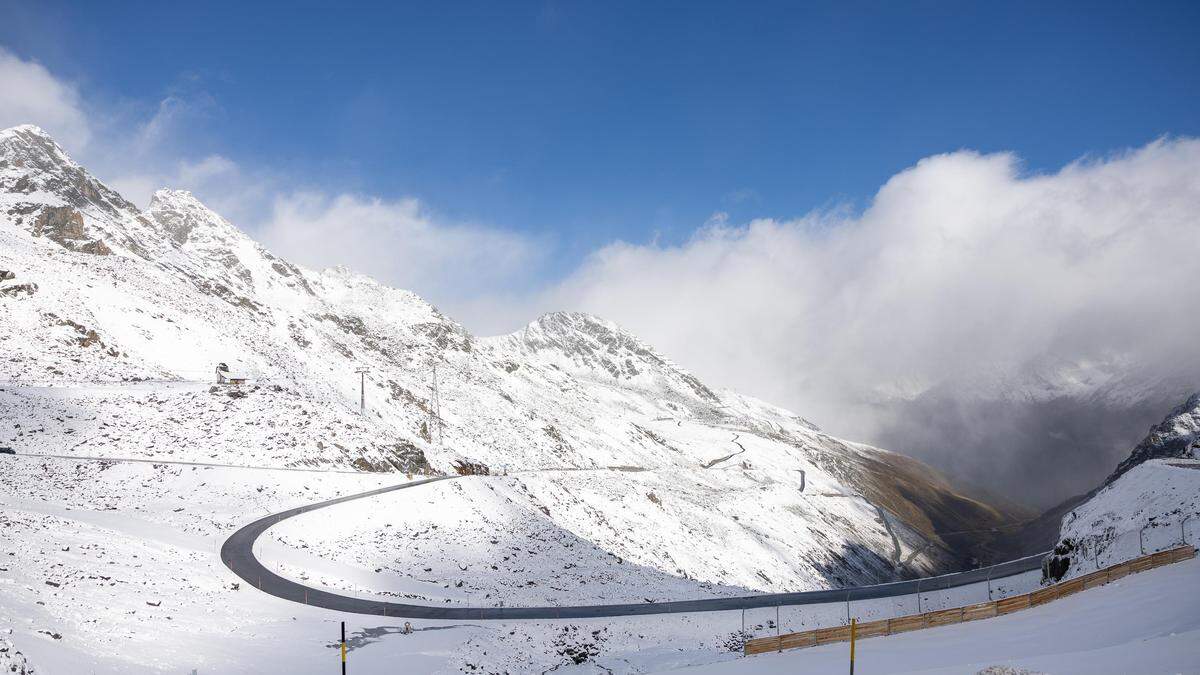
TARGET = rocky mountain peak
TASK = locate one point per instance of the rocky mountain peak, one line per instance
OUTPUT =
(31, 162)
(583, 335)
(29, 142)
(185, 218)
(584, 343)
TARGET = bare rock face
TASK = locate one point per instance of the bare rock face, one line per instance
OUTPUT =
(18, 289)
(59, 223)
(64, 226)
(14, 289)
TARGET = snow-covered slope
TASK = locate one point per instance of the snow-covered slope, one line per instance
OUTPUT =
(1150, 503)
(1147, 624)
(112, 321)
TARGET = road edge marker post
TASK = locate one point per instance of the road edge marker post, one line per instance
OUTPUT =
(853, 635)
(343, 648)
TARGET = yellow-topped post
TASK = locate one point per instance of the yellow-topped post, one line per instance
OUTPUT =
(853, 635)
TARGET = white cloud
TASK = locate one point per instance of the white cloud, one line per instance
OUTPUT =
(962, 276)
(397, 242)
(960, 265)
(217, 180)
(32, 95)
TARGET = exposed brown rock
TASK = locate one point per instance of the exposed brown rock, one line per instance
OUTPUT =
(64, 226)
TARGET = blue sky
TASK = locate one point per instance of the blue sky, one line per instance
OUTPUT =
(590, 122)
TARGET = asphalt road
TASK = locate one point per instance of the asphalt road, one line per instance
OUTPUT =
(238, 555)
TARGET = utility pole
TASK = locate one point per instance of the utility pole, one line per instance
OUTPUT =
(362, 391)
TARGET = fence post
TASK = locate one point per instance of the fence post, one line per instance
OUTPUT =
(1183, 527)
(918, 596)
(989, 581)
(1141, 546)
(848, 620)
(777, 633)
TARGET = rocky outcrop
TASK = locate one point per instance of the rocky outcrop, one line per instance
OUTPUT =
(12, 661)
(403, 457)
(18, 289)
(464, 468)
(64, 226)
(14, 289)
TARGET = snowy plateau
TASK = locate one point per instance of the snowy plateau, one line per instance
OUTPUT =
(593, 469)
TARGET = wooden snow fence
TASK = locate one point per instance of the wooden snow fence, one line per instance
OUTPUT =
(982, 610)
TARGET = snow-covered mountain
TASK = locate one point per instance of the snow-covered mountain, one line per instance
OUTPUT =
(113, 320)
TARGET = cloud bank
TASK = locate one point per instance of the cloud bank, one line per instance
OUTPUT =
(965, 296)
(399, 242)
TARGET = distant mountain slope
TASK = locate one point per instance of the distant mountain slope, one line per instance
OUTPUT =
(1177, 436)
(1151, 500)
(112, 321)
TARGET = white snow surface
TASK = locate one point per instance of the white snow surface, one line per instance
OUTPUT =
(1152, 507)
(1147, 624)
(130, 548)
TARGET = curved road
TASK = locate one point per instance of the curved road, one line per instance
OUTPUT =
(238, 555)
